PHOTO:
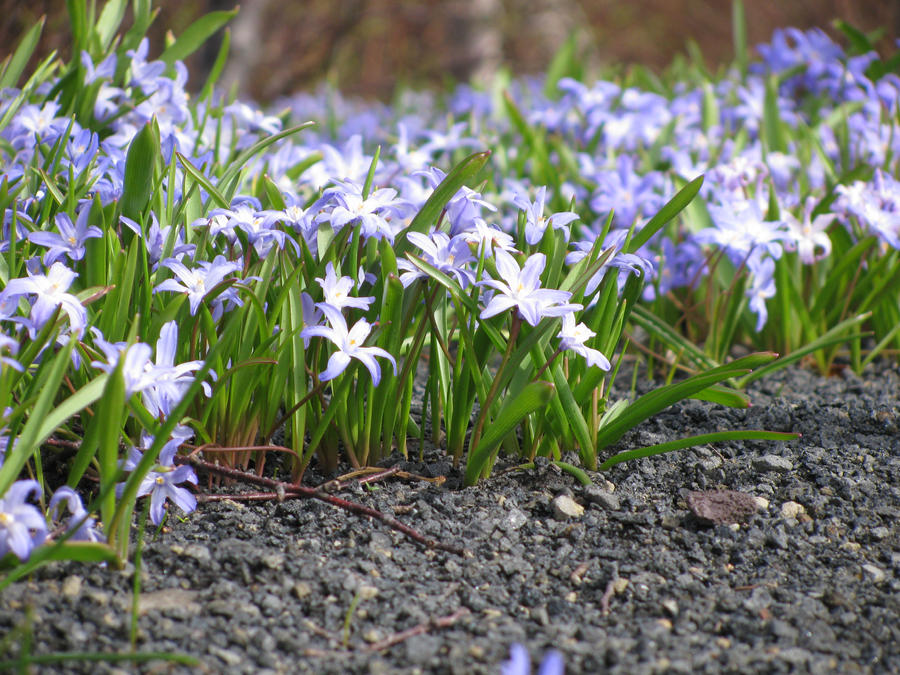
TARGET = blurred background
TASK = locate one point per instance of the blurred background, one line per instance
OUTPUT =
(369, 47)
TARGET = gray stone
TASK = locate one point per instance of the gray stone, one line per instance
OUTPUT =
(773, 463)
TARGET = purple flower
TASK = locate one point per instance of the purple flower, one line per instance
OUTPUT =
(762, 287)
(136, 369)
(170, 382)
(521, 288)
(22, 525)
(70, 241)
(349, 344)
(162, 483)
(626, 193)
(809, 238)
(259, 226)
(145, 75)
(535, 222)
(520, 662)
(200, 281)
(50, 291)
(156, 239)
(742, 230)
(79, 520)
(337, 291)
(372, 212)
(446, 254)
(573, 338)
(488, 238)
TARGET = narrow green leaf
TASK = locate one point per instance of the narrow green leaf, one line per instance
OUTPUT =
(198, 176)
(461, 174)
(140, 164)
(655, 401)
(108, 24)
(35, 430)
(15, 65)
(836, 335)
(575, 419)
(195, 35)
(723, 396)
(672, 208)
(514, 410)
(703, 439)
(218, 66)
(739, 35)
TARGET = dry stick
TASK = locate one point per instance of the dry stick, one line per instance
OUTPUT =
(298, 491)
(607, 596)
(397, 638)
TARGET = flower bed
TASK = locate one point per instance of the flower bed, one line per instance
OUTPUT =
(191, 283)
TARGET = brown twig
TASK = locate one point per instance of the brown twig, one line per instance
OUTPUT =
(397, 638)
(607, 596)
(300, 492)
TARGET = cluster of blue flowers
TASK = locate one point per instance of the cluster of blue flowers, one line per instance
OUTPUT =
(626, 151)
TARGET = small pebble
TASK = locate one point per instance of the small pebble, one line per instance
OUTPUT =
(601, 497)
(876, 573)
(564, 507)
(792, 510)
(72, 586)
(773, 463)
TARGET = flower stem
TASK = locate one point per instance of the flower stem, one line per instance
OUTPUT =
(495, 385)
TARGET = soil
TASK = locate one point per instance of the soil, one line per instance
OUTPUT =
(808, 581)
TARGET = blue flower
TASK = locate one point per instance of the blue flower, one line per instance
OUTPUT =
(162, 483)
(349, 344)
(337, 291)
(521, 288)
(520, 662)
(79, 520)
(198, 282)
(22, 525)
(535, 222)
(50, 291)
(70, 240)
(573, 338)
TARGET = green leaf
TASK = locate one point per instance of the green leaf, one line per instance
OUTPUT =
(512, 412)
(672, 208)
(140, 164)
(461, 174)
(14, 66)
(195, 35)
(773, 126)
(36, 431)
(217, 67)
(575, 419)
(657, 327)
(703, 439)
(739, 35)
(836, 335)
(655, 401)
(110, 19)
(198, 176)
(723, 396)
(565, 63)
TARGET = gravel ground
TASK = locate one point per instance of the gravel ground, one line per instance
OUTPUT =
(636, 583)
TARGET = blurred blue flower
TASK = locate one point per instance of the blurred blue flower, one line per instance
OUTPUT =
(79, 520)
(520, 662)
(22, 525)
